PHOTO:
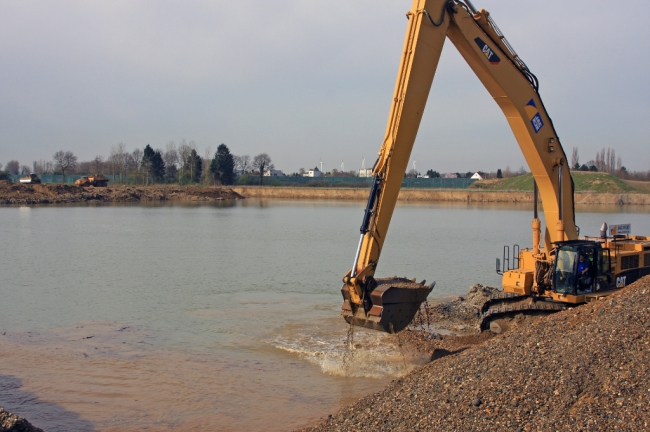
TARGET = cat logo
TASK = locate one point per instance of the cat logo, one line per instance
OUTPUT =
(487, 51)
(533, 114)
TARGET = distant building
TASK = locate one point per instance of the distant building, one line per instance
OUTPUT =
(450, 175)
(313, 173)
(477, 176)
(365, 172)
(273, 173)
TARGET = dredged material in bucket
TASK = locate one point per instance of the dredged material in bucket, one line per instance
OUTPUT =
(394, 303)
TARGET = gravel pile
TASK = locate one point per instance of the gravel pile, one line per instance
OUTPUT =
(16, 193)
(580, 369)
(12, 423)
(460, 315)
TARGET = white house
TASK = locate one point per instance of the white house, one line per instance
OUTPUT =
(365, 172)
(478, 176)
(313, 173)
(273, 173)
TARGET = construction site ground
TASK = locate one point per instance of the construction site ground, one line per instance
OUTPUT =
(580, 369)
(16, 193)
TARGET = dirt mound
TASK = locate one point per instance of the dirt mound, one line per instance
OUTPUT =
(15, 193)
(580, 369)
(461, 314)
(12, 423)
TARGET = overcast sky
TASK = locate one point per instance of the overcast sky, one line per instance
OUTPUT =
(307, 81)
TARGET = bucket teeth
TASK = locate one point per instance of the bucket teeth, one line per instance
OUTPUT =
(393, 304)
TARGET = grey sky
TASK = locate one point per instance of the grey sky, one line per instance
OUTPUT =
(304, 81)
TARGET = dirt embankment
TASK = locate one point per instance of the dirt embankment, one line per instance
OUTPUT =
(433, 195)
(581, 369)
(14, 193)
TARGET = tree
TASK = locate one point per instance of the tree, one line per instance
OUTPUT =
(124, 160)
(222, 166)
(575, 159)
(261, 163)
(13, 167)
(184, 151)
(242, 163)
(24, 170)
(433, 174)
(157, 166)
(194, 165)
(170, 157)
(65, 161)
(147, 161)
(499, 173)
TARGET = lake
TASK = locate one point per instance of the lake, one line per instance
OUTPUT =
(220, 316)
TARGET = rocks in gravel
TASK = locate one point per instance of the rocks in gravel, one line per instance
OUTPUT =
(12, 423)
(585, 368)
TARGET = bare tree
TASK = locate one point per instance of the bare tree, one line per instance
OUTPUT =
(575, 159)
(39, 167)
(170, 157)
(24, 170)
(262, 162)
(123, 160)
(184, 151)
(65, 161)
(242, 163)
(13, 167)
(97, 164)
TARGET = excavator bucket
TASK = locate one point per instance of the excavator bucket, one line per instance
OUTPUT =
(389, 306)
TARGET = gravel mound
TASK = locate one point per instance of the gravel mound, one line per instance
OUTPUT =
(580, 369)
(16, 193)
(461, 314)
(12, 423)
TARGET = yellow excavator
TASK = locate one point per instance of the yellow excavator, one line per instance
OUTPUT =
(558, 271)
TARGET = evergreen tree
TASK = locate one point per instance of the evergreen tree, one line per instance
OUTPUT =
(223, 165)
(147, 161)
(157, 167)
(499, 173)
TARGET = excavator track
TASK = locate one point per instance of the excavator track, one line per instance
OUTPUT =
(505, 304)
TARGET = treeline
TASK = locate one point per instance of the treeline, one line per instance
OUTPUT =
(607, 161)
(175, 164)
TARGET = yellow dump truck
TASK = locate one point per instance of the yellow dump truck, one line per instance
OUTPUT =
(97, 180)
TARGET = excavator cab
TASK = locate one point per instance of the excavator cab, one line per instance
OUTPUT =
(581, 267)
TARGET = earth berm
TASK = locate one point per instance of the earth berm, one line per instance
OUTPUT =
(585, 368)
(16, 193)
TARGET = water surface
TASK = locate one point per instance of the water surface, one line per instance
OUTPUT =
(219, 316)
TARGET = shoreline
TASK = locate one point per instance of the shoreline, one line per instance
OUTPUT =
(20, 194)
(433, 195)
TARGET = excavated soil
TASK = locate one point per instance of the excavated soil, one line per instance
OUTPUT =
(580, 369)
(16, 193)
(12, 423)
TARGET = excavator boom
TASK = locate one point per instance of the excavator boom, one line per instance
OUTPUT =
(514, 89)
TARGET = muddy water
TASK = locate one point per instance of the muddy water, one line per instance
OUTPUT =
(218, 317)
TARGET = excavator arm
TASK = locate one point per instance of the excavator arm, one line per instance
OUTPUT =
(390, 305)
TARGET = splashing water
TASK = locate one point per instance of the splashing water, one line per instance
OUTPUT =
(354, 353)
